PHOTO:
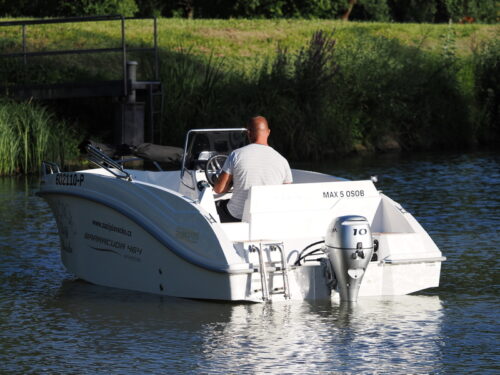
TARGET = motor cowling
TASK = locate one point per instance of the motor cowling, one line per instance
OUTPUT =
(349, 246)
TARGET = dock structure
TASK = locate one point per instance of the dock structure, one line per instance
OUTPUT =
(137, 104)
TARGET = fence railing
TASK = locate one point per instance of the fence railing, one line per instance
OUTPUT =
(124, 49)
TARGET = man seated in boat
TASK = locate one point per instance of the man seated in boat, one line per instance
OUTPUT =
(254, 164)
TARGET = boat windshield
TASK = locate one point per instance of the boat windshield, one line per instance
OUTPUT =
(202, 144)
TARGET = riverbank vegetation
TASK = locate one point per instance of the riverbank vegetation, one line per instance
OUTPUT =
(327, 87)
(29, 134)
(361, 87)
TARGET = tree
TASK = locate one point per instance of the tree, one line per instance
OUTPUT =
(413, 10)
(126, 8)
(65, 8)
(472, 10)
(374, 10)
(347, 13)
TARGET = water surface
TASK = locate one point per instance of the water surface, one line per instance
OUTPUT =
(52, 323)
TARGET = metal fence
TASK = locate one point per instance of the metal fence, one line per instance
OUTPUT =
(124, 49)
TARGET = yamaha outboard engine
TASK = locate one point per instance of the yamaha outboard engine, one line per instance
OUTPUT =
(349, 246)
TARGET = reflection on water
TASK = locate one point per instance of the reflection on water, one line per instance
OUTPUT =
(105, 329)
(293, 337)
(51, 323)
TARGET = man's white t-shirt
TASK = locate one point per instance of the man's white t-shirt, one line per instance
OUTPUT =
(251, 165)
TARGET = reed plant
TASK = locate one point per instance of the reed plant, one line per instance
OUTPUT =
(190, 90)
(298, 92)
(30, 134)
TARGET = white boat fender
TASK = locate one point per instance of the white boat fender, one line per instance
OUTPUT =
(349, 246)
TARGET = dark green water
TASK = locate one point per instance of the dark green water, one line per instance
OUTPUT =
(52, 323)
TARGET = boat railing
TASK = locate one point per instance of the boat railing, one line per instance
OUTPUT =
(99, 158)
(49, 167)
(267, 272)
(130, 160)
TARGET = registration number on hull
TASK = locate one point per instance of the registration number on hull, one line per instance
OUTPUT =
(70, 179)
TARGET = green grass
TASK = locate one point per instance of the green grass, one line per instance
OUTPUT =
(242, 43)
(424, 86)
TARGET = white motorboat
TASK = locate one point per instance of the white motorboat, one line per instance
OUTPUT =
(159, 232)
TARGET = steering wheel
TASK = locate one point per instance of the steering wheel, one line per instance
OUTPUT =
(213, 168)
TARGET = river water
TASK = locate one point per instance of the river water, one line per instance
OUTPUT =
(52, 323)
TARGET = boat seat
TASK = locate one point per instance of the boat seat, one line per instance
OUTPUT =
(305, 210)
(237, 232)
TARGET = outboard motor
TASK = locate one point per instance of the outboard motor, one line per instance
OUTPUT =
(349, 246)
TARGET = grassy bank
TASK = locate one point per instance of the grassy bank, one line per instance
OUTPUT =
(355, 86)
(243, 43)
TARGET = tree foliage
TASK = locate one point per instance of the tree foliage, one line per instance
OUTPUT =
(444, 10)
(464, 10)
(370, 10)
(92, 7)
(487, 89)
(66, 8)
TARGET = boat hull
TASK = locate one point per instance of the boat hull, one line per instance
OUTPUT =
(116, 252)
(143, 237)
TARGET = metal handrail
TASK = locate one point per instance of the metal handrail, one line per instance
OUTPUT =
(123, 48)
(49, 167)
(263, 272)
(284, 267)
(413, 260)
(75, 52)
(64, 20)
(96, 156)
(155, 163)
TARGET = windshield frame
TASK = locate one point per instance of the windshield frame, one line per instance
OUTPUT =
(187, 145)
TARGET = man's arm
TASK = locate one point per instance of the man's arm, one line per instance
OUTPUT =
(223, 183)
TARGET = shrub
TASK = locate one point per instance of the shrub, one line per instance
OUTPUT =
(151, 8)
(325, 99)
(372, 10)
(487, 91)
(316, 8)
(193, 96)
(297, 92)
(413, 10)
(294, 90)
(479, 10)
(393, 90)
(64, 8)
(126, 8)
